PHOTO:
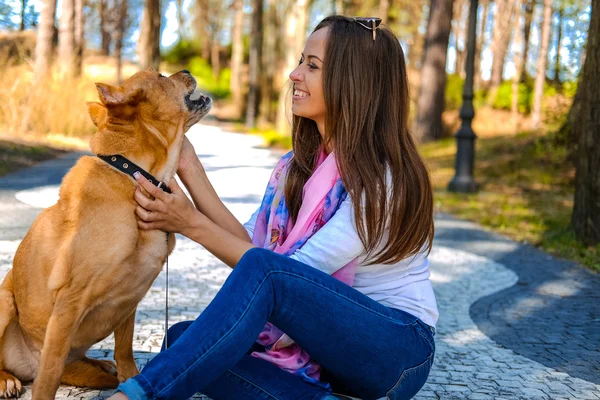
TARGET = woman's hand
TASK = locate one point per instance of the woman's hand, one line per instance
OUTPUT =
(187, 157)
(168, 212)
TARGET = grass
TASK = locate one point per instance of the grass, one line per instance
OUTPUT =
(526, 192)
(14, 156)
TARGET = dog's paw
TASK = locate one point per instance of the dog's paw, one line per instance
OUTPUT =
(105, 365)
(9, 386)
(126, 372)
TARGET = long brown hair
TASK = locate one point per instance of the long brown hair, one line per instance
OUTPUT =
(366, 97)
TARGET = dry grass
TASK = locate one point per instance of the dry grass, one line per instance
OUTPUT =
(526, 191)
(55, 105)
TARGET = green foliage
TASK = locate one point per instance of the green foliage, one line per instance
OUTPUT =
(275, 139)
(454, 87)
(202, 71)
(182, 52)
(453, 95)
(569, 88)
(504, 97)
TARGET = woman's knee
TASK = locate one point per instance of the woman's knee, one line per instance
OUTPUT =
(174, 332)
(255, 258)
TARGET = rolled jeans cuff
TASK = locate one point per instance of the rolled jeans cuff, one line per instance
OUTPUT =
(136, 388)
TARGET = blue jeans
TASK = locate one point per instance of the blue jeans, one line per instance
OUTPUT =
(366, 349)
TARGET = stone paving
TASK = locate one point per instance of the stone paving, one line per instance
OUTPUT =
(471, 362)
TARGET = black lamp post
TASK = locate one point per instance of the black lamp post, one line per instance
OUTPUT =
(465, 137)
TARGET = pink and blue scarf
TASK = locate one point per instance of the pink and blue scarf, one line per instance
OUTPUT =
(322, 195)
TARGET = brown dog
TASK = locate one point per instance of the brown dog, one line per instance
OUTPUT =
(83, 267)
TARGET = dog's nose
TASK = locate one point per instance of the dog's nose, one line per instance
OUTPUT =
(185, 71)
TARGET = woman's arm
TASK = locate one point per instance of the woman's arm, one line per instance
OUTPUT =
(192, 174)
(175, 213)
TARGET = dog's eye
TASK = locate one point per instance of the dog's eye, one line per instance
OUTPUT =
(161, 76)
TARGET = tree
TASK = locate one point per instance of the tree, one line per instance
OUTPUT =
(105, 36)
(294, 38)
(118, 36)
(517, 60)
(149, 44)
(500, 42)
(585, 129)
(460, 40)
(23, 12)
(180, 18)
(485, 5)
(430, 104)
(66, 37)
(254, 64)
(271, 57)
(237, 57)
(540, 77)
(526, 32)
(203, 30)
(79, 37)
(561, 11)
(43, 47)
(384, 11)
(411, 16)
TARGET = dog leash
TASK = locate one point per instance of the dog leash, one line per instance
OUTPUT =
(128, 167)
(167, 295)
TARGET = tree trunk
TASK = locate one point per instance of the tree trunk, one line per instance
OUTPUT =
(237, 55)
(23, 9)
(180, 18)
(540, 76)
(215, 54)
(149, 42)
(43, 47)
(118, 38)
(295, 32)
(485, 4)
(79, 37)
(384, 11)
(203, 30)
(269, 62)
(430, 104)
(459, 37)
(526, 31)
(415, 51)
(500, 42)
(104, 27)
(517, 60)
(66, 38)
(561, 10)
(585, 126)
(255, 62)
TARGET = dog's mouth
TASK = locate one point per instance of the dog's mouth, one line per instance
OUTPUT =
(198, 105)
(197, 101)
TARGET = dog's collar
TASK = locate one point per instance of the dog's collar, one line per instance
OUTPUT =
(124, 165)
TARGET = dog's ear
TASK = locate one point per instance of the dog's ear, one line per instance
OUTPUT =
(97, 111)
(120, 103)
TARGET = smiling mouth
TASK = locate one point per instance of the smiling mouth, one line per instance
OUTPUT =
(299, 94)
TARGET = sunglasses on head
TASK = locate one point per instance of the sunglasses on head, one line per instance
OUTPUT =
(370, 23)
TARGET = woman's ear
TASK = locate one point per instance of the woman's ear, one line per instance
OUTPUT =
(97, 112)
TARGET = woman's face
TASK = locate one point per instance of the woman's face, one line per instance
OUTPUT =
(308, 100)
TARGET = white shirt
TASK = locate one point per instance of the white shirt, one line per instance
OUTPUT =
(404, 285)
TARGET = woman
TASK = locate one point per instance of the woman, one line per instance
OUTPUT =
(367, 330)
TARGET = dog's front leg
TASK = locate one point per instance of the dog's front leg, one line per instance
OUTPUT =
(64, 321)
(126, 367)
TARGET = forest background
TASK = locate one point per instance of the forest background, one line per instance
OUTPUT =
(537, 79)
